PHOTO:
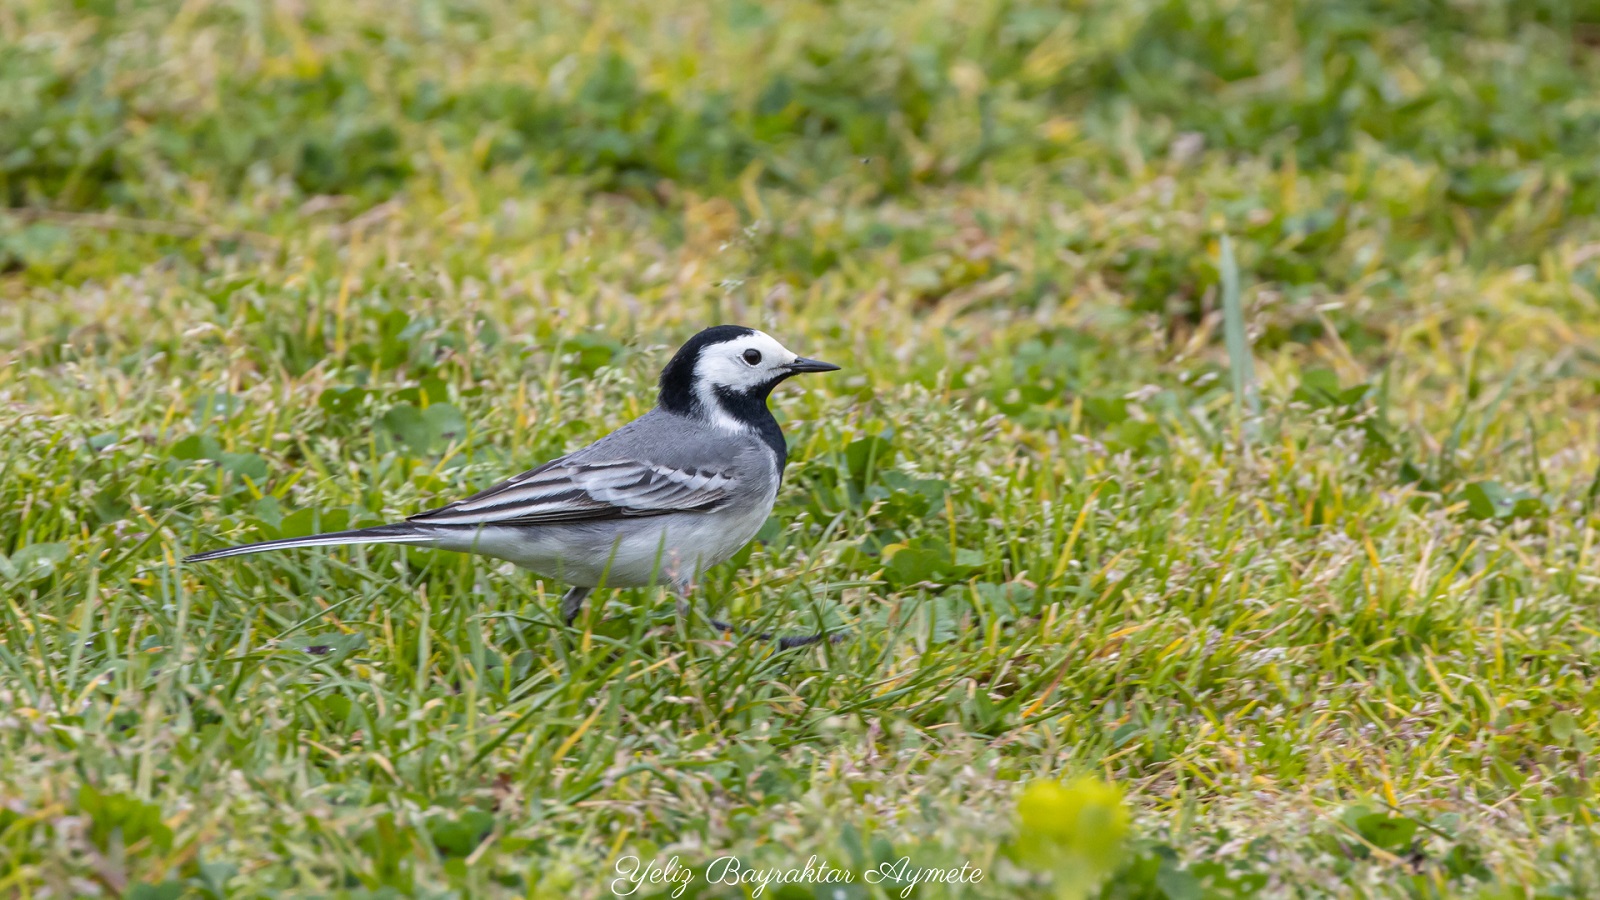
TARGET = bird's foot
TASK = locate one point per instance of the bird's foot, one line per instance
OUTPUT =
(785, 642)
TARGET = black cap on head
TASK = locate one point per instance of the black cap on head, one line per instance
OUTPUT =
(677, 378)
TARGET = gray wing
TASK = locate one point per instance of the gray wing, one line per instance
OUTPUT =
(620, 476)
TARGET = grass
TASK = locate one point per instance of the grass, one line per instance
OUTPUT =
(1220, 421)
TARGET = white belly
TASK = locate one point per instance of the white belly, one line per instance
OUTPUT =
(619, 552)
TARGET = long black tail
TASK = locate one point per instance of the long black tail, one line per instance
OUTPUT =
(378, 534)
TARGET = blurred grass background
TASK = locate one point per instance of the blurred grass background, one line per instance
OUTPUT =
(277, 266)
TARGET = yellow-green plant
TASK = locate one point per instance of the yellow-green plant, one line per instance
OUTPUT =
(1076, 832)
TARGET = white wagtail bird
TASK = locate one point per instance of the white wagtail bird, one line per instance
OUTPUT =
(658, 501)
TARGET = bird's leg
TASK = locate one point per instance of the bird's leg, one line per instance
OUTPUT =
(572, 602)
(682, 589)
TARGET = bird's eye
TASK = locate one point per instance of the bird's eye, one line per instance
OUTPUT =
(753, 357)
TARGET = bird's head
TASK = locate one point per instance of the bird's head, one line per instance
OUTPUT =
(727, 370)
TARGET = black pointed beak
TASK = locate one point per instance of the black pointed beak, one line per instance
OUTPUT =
(801, 364)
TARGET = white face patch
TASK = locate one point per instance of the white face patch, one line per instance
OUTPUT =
(741, 364)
